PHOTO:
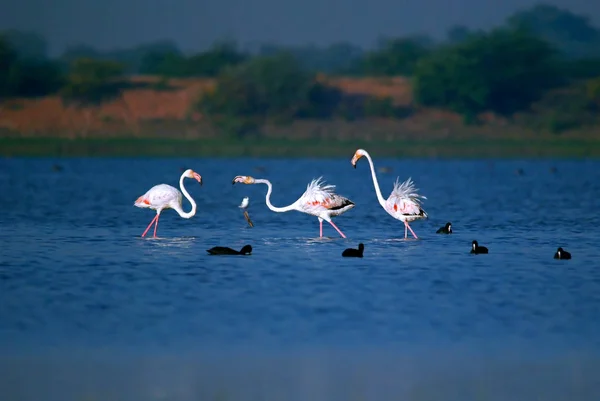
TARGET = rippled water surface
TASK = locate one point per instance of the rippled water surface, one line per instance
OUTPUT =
(90, 309)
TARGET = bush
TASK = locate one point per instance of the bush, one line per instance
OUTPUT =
(263, 88)
(502, 71)
(26, 76)
(92, 82)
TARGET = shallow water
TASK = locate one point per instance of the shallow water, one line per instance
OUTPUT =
(90, 309)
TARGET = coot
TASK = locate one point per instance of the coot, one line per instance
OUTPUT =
(354, 253)
(562, 254)
(476, 249)
(223, 250)
(447, 229)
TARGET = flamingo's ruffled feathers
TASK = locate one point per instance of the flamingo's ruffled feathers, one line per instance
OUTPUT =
(405, 197)
(319, 194)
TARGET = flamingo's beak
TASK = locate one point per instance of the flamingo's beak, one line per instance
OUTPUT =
(238, 178)
(197, 177)
(354, 160)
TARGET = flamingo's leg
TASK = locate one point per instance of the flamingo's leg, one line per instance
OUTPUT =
(156, 225)
(320, 227)
(150, 225)
(338, 230)
(405, 230)
(411, 230)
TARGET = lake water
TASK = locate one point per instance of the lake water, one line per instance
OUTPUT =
(91, 311)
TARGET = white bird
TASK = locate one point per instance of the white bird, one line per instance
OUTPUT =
(318, 200)
(403, 203)
(163, 196)
(244, 206)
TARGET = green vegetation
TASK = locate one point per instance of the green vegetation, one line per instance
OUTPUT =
(92, 81)
(541, 69)
(398, 56)
(25, 74)
(171, 63)
(503, 71)
(264, 88)
(443, 148)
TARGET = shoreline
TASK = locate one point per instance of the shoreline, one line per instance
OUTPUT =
(227, 147)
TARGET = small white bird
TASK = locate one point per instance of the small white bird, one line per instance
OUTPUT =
(244, 206)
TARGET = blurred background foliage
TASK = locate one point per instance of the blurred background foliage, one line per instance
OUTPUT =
(543, 60)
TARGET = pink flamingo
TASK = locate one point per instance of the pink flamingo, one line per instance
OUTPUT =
(403, 203)
(318, 200)
(163, 196)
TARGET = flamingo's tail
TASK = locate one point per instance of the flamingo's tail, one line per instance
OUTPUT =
(141, 202)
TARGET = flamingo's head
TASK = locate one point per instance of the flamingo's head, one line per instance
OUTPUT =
(243, 179)
(189, 173)
(357, 155)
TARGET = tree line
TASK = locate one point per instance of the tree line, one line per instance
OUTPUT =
(502, 70)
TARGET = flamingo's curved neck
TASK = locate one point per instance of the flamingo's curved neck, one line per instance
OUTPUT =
(375, 182)
(188, 197)
(268, 198)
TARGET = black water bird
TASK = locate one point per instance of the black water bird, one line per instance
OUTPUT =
(476, 249)
(223, 250)
(562, 254)
(447, 229)
(354, 253)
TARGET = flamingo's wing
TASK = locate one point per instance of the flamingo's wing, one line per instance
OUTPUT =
(405, 200)
(319, 195)
(161, 195)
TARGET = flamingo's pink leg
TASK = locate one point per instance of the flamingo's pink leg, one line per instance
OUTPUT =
(156, 225)
(338, 230)
(411, 230)
(150, 225)
(320, 228)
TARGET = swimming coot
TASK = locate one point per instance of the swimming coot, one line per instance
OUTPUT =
(447, 229)
(562, 254)
(354, 253)
(223, 250)
(476, 249)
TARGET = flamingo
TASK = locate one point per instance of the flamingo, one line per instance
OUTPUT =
(318, 200)
(163, 196)
(403, 203)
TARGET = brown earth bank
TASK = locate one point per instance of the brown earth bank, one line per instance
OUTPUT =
(146, 111)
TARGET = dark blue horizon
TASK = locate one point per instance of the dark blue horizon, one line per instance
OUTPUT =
(194, 26)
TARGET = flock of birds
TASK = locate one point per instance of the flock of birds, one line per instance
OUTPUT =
(319, 200)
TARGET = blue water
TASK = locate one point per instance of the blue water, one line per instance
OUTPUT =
(86, 302)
